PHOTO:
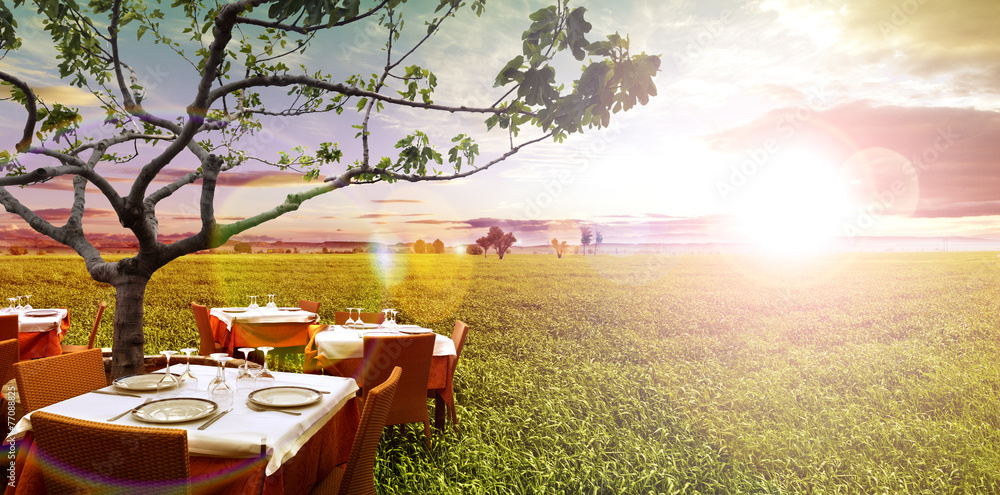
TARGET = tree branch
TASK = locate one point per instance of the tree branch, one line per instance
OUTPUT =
(29, 98)
(307, 30)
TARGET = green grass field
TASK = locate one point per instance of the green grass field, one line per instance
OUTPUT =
(861, 374)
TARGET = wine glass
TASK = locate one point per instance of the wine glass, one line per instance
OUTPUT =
(253, 304)
(244, 377)
(385, 320)
(219, 385)
(169, 381)
(393, 312)
(350, 320)
(270, 302)
(27, 302)
(11, 308)
(264, 376)
(19, 308)
(187, 376)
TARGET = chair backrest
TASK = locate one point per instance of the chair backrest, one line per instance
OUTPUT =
(340, 317)
(412, 353)
(8, 327)
(97, 323)
(359, 474)
(8, 356)
(207, 344)
(310, 306)
(458, 337)
(45, 381)
(110, 458)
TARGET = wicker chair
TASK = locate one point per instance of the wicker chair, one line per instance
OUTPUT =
(45, 381)
(340, 317)
(208, 342)
(447, 393)
(310, 306)
(357, 477)
(9, 327)
(90, 457)
(68, 348)
(412, 353)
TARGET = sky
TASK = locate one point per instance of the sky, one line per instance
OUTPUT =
(780, 123)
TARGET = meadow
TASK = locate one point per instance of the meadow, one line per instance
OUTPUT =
(847, 373)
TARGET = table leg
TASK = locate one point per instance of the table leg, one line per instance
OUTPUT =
(439, 412)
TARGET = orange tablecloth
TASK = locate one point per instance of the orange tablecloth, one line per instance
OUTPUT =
(34, 345)
(260, 334)
(330, 446)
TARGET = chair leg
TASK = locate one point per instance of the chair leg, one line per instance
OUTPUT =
(427, 432)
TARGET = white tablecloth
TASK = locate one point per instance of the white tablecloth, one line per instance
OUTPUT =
(41, 324)
(264, 315)
(346, 343)
(239, 433)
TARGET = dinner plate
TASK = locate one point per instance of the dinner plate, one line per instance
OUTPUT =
(362, 326)
(234, 310)
(179, 410)
(140, 382)
(416, 331)
(289, 309)
(40, 313)
(284, 396)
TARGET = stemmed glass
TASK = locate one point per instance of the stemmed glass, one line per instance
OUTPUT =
(244, 376)
(27, 303)
(350, 321)
(19, 308)
(270, 302)
(12, 300)
(394, 313)
(168, 381)
(253, 303)
(219, 385)
(264, 375)
(187, 375)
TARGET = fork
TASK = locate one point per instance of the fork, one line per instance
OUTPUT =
(257, 408)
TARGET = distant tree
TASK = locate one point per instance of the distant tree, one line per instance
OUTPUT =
(485, 244)
(585, 236)
(438, 246)
(420, 247)
(242, 247)
(474, 249)
(559, 247)
(504, 243)
(598, 240)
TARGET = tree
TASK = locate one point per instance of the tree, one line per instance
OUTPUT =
(473, 249)
(230, 102)
(505, 242)
(585, 236)
(485, 244)
(598, 239)
(242, 247)
(419, 247)
(559, 247)
(438, 246)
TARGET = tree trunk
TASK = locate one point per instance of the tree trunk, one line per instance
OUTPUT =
(127, 344)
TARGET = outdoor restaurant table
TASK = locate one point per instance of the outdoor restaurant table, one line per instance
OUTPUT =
(225, 458)
(284, 327)
(40, 336)
(339, 351)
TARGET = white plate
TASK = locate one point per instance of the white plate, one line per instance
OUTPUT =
(41, 313)
(284, 396)
(416, 331)
(289, 309)
(233, 310)
(178, 410)
(362, 326)
(141, 382)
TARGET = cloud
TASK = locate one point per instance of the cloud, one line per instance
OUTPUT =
(389, 215)
(397, 201)
(59, 214)
(952, 151)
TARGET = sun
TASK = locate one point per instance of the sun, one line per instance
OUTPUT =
(795, 204)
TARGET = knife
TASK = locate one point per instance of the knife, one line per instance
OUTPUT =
(107, 392)
(148, 400)
(214, 419)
